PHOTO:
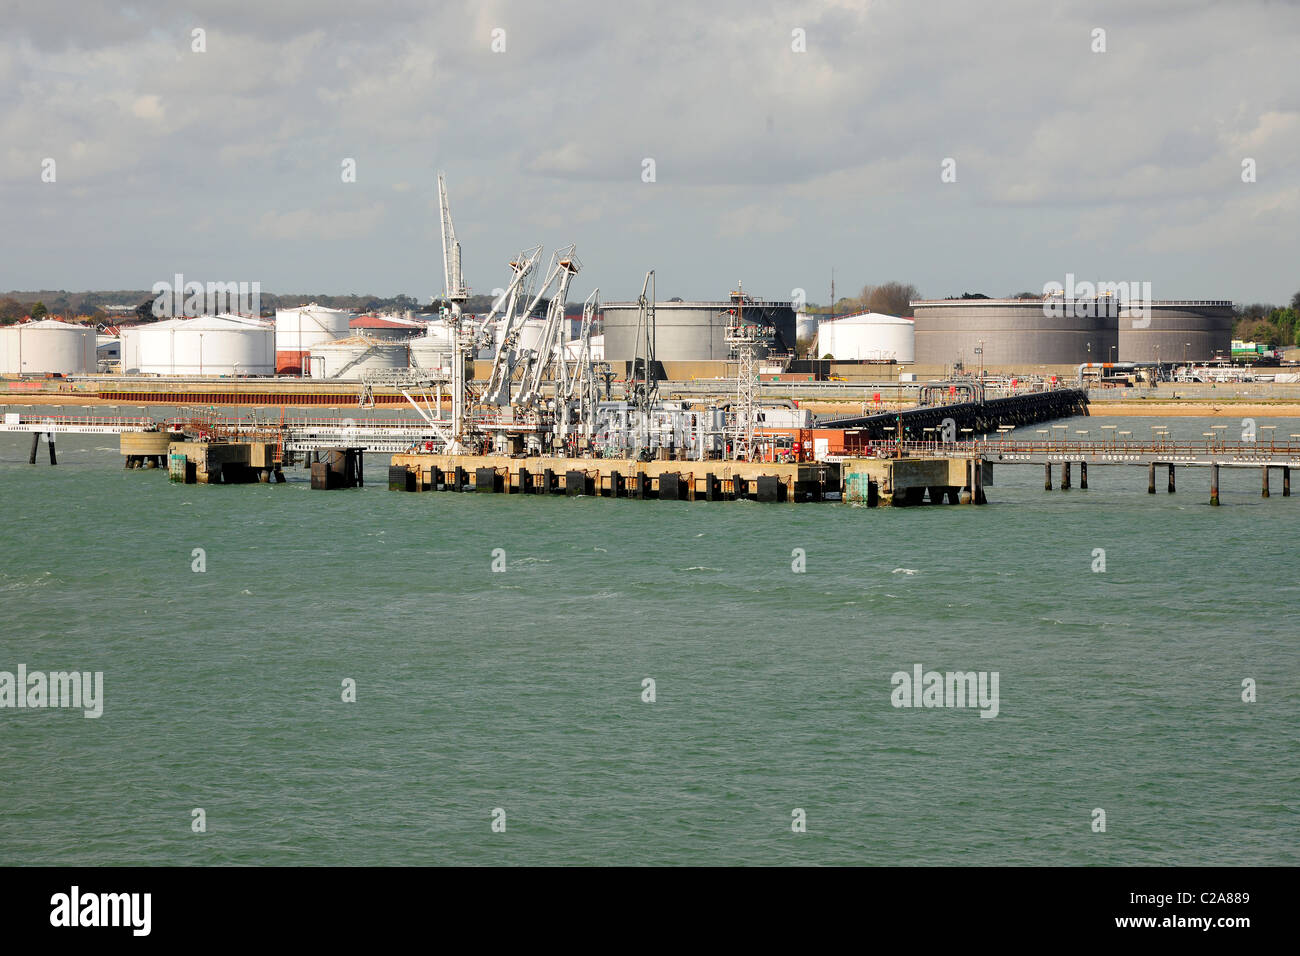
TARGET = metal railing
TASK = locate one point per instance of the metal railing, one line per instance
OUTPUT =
(72, 423)
(1098, 449)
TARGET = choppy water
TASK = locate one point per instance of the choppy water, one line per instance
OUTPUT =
(522, 690)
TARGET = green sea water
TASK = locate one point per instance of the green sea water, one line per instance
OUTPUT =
(522, 690)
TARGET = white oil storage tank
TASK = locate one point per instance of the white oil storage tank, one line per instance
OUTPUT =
(867, 337)
(229, 345)
(530, 333)
(47, 347)
(346, 359)
(434, 349)
(805, 330)
(298, 329)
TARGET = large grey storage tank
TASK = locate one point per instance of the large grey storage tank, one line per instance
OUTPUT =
(1015, 332)
(1193, 330)
(692, 331)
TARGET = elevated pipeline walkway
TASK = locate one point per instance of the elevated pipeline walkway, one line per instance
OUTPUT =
(974, 418)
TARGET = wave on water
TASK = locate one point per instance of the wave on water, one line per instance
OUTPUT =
(22, 584)
(904, 571)
(699, 567)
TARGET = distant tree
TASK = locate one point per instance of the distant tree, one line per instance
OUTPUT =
(11, 310)
(973, 295)
(1257, 310)
(1257, 330)
(891, 298)
(1286, 322)
(39, 311)
(1027, 295)
(1295, 302)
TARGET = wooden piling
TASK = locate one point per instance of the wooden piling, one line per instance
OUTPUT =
(1151, 478)
(1047, 478)
(1065, 476)
(1214, 484)
(1286, 482)
(1083, 476)
(1264, 474)
(1171, 479)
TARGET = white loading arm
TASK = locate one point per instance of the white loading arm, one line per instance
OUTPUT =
(537, 361)
(523, 265)
(508, 352)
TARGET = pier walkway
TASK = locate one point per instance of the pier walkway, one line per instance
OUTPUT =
(1213, 453)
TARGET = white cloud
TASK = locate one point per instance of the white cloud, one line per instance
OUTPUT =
(829, 156)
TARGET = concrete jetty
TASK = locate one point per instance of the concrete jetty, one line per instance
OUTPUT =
(869, 481)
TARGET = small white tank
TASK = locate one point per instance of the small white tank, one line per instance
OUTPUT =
(346, 359)
(47, 346)
(868, 336)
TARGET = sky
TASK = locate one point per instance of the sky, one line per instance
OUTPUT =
(786, 140)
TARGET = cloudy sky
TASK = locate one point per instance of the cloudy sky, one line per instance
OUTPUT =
(771, 165)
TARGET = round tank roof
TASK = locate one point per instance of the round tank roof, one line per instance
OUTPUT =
(871, 318)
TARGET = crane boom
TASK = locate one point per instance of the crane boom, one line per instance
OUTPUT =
(454, 288)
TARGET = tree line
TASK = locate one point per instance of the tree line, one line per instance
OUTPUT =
(1274, 326)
